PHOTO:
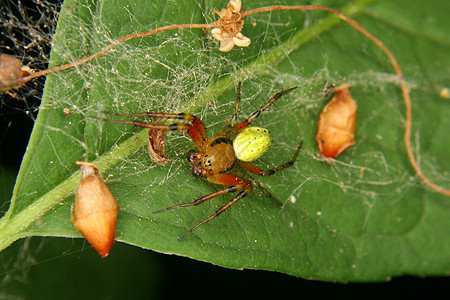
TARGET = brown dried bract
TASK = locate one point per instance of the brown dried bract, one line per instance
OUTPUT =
(157, 146)
(10, 72)
(94, 214)
(336, 128)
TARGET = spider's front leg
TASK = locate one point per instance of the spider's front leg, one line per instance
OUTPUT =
(235, 184)
(197, 131)
(252, 117)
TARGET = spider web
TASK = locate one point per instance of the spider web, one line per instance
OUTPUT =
(31, 27)
(173, 72)
(26, 30)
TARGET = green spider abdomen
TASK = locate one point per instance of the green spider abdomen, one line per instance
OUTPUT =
(251, 143)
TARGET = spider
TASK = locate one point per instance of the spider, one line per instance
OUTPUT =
(217, 159)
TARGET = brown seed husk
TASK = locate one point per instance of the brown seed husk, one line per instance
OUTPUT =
(10, 72)
(94, 214)
(336, 128)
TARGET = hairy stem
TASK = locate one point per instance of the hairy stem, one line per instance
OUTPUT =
(13, 224)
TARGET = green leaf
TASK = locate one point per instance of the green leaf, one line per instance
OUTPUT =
(366, 216)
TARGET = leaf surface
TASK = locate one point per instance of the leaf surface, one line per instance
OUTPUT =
(363, 217)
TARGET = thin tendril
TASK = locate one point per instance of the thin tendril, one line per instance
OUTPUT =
(110, 46)
(353, 23)
(398, 71)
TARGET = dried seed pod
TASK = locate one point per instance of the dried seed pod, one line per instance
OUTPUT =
(10, 72)
(336, 129)
(95, 212)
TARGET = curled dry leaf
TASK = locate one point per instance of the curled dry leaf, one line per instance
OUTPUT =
(336, 128)
(94, 214)
(157, 146)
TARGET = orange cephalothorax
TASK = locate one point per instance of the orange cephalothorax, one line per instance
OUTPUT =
(218, 156)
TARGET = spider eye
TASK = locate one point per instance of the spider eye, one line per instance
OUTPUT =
(251, 143)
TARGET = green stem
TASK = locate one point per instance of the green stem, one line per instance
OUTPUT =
(12, 225)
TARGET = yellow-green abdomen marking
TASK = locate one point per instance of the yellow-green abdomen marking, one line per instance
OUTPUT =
(251, 143)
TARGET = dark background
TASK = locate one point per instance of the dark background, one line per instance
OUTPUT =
(51, 268)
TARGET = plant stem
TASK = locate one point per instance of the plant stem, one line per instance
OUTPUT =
(13, 225)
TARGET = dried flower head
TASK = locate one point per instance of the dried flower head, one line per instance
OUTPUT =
(336, 128)
(94, 214)
(229, 26)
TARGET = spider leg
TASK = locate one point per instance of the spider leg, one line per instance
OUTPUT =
(227, 205)
(229, 127)
(252, 117)
(258, 185)
(196, 131)
(258, 171)
(236, 106)
(235, 184)
(200, 200)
